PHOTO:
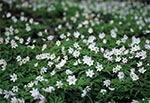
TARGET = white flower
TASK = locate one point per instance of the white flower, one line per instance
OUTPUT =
(58, 43)
(104, 41)
(59, 26)
(84, 92)
(53, 72)
(44, 47)
(135, 40)
(13, 44)
(63, 50)
(142, 70)
(132, 69)
(133, 76)
(118, 59)
(1, 40)
(43, 70)
(43, 56)
(61, 64)
(92, 47)
(36, 82)
(124, 39)
(131, 30)
(77, 62)
(116, 51)
(126, 52)
(17, 100)
(120, 75)
(91, 39)
(62, 36)
(87, 88)
(99, 67)
(8, 15)
(14, 100)
(39, 78)
(139, 64)
(50, 37)
(76, 34)
(49, 89)
(118, 42)
(135, 48)
(7, 94)
(36, 94)
(21, 100)
(30, 84)
(3, 63)
(86, 22)
(89, 73)
(101, 35)
(21, 40)
(116, 69)
(88, 60)
(113, 34)
(23, 61)
(13, 77)
(124, 60)
(143, 54)
(111, 89)
(71, 80)
(14, 19)
(76, 53)
(68, 34)
(18, 58)
(82, 36)
(50, 63)
(90, 30)
(28, 28)
(77, 46)
(107, 83)
(68, 71)
(59, 84)
(15, 89)
(52, 56)
(135, 101)
(103, 91)
(70, 50)
(1, 91)
(147, 46)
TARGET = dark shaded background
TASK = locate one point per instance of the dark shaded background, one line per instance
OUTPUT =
(142, 1)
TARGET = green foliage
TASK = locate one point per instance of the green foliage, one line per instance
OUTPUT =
(67, 18)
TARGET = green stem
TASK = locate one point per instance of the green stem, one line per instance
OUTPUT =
(90, 98)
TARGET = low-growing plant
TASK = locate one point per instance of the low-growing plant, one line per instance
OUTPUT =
(74, 52)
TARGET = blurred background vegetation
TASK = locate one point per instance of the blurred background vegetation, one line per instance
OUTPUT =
(142, 1)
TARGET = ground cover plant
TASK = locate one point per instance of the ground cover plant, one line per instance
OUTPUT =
(74, 52)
